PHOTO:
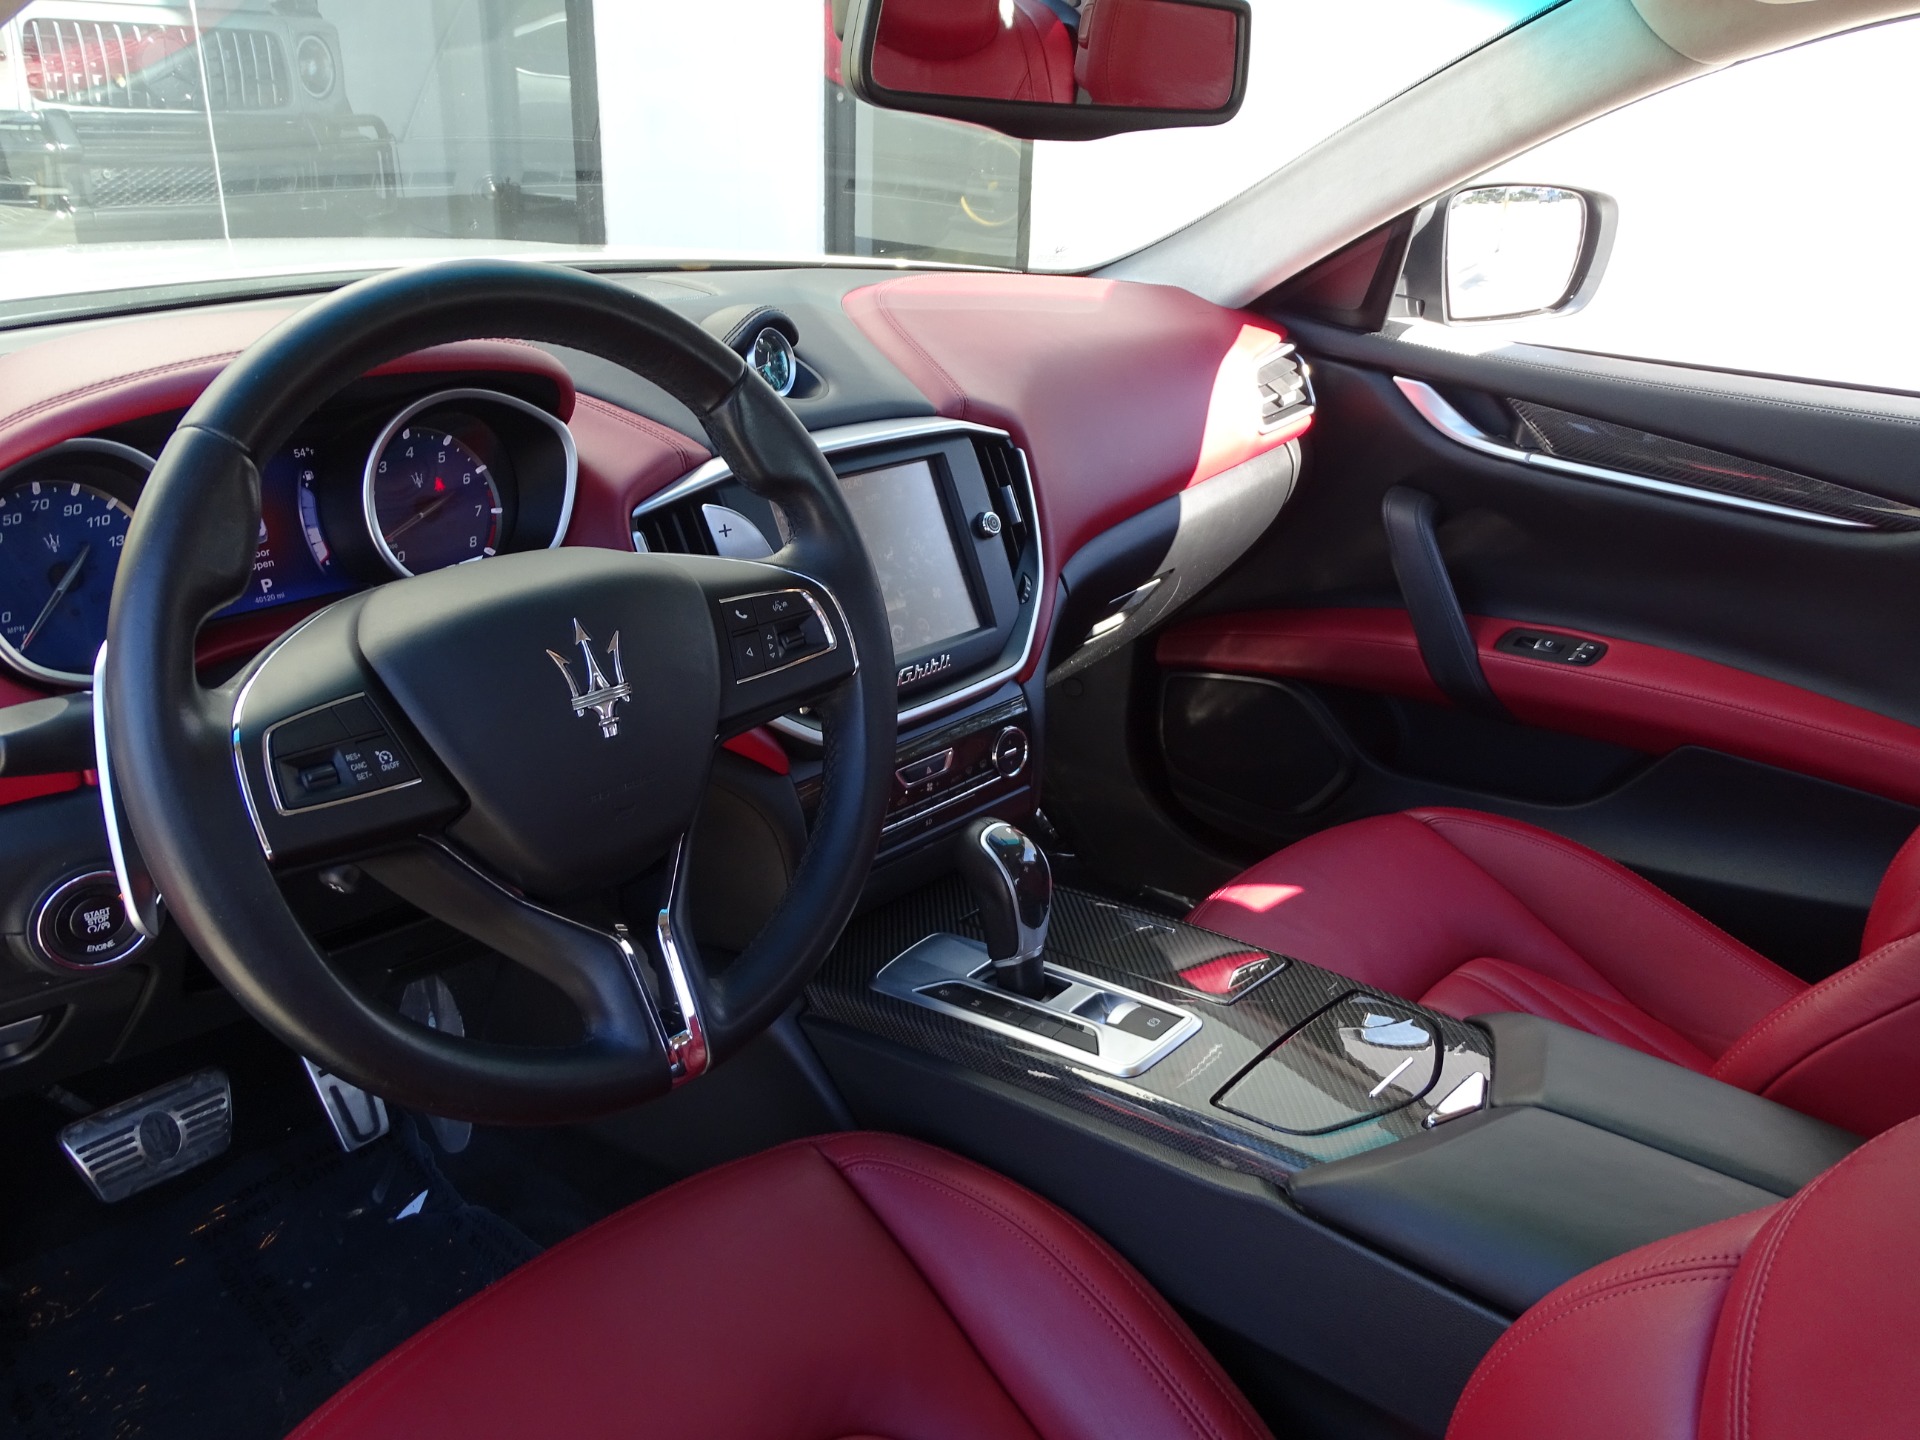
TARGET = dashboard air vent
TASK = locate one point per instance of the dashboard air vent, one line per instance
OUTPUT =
(674, 529)
(1285, 391)
(1000, 463)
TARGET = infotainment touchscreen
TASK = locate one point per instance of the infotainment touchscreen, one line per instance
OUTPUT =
(905, 527)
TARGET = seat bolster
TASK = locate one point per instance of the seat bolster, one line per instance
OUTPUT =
(1487, 987)
(1844, 1051)
(1617, 1351)
(1896, 903)
(1822, 1322)
(1081, 1342)
(1662, 957)
(1389, 902)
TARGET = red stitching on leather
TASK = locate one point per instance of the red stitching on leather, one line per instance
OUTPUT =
(894, 323)
(1544, 997)
(682, 446)
(1540, 1319)
(1123, 1329)
(20, 417)
(1668, 906)
(1853, 974)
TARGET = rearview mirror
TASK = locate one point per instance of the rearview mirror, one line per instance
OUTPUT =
(1052, 69)
(1516, 250)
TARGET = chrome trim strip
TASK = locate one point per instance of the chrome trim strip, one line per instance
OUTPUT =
(686, 1050)
(109, 806)
(514, 402)
(43, 912)
(137, 458)
(1434, 409)
(239, 704)
(832, 441)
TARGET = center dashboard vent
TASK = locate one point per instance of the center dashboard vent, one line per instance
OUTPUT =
(1001, 464)
(1285, 390)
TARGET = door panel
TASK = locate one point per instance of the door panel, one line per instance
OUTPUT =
(1750, 738)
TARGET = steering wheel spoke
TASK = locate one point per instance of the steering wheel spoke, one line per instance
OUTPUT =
(327, 763)
(602, 971)
(783, 638)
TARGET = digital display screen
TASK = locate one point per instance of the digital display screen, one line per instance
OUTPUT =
(292, 561)
(905, 528)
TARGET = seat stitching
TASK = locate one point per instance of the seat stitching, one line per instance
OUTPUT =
(1524, 1331)
(380, 1377)
(1090, 1290)
(1543, 997)
(1831, 985)
(1665, 903)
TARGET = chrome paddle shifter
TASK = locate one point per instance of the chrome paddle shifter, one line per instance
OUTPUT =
(1013, 886)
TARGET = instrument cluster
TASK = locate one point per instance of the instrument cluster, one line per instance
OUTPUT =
(361, 495)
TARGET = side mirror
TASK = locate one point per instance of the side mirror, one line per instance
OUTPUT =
(1502, 252)
(1052, 69)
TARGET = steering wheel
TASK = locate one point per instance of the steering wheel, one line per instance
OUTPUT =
(535, 731)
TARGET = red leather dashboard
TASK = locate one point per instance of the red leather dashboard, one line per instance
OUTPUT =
(1122, 395)
(1641, 696)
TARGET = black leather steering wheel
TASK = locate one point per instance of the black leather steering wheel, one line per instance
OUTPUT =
(524, 785)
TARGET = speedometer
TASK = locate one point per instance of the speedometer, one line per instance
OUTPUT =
(431, 500)
(63, 522)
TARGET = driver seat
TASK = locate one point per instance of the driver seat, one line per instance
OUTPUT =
(866, 1285)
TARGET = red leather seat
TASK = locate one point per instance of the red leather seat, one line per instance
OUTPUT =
(857, 1285)
(1019, 51)
(1471, 913)
(864, 1285)
(1795, 1321)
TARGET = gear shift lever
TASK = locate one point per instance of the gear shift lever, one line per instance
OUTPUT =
(1013, 886)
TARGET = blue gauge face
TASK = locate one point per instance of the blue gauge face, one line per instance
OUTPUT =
(772, 355)
(59, 550)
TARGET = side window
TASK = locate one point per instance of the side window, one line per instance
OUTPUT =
(1761, 222)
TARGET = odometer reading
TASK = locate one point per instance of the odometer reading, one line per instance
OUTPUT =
(60, 548)
(433, 502)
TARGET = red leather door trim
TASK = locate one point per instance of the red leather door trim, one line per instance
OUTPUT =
(1640, 696)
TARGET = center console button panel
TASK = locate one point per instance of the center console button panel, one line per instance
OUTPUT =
(1360, 1057)
(1082, 1018)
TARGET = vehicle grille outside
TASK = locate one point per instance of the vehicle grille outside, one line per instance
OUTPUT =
(152, 67)
(156, 185)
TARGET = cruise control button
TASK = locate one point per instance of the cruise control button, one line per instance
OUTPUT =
(318, 731)
(357, 718)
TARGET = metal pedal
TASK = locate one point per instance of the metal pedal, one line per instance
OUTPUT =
(359, 1117)
(125, 1148)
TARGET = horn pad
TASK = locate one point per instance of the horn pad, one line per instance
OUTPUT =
(573, 694)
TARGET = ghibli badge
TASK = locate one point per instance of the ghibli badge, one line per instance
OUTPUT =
(600, 697)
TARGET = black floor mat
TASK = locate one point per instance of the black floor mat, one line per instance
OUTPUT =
(233, 1310)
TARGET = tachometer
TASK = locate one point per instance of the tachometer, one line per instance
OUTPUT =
(431, 499)
(63, 521)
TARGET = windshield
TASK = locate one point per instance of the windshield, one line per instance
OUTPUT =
(178, 148)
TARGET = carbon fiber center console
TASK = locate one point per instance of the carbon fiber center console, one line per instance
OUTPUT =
(1262, 1064)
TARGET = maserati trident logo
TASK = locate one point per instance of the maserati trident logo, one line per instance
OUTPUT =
(600, 696)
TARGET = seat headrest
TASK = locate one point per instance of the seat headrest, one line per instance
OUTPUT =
(940, 29)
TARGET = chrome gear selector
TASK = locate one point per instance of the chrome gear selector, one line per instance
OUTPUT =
(1013, 886)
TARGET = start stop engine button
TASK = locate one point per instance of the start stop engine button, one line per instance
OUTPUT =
(83, 924)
